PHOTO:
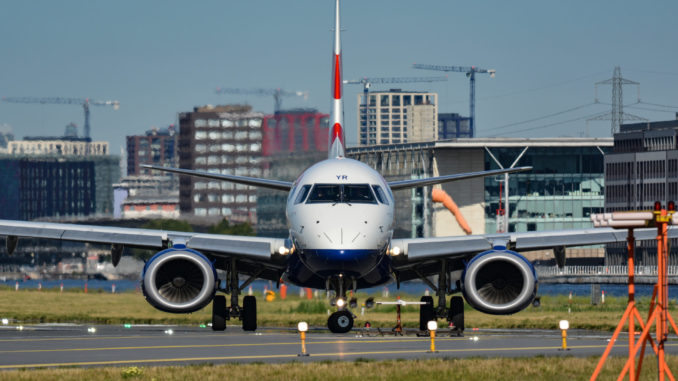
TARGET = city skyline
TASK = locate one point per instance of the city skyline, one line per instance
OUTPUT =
(162, 58)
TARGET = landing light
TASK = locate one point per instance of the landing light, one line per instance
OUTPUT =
(395, 251)
(341, 302)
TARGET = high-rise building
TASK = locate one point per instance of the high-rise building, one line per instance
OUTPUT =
(397, 116)
(642, 169)
(157, 147)
(296, 130)
(453, 126)
(226, 140)
(37, 186)
(59, 146)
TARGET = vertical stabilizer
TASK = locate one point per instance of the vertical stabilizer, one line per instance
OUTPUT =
(337, 135)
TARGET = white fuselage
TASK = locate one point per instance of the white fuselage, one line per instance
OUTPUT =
(338, 211)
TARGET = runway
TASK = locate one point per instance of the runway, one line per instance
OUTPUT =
(53, 345)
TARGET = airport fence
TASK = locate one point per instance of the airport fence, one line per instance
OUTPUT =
(545, 271)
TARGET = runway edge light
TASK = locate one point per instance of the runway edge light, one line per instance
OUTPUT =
(564, 326)
(303, 327)
(432, 327)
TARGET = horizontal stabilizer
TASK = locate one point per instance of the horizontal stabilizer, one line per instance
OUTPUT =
(253, 181)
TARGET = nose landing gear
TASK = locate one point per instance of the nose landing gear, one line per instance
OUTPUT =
(340, 321)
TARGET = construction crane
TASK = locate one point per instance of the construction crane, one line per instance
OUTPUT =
(84, 102)
(368, 82)
(471, 74)
(277, 94)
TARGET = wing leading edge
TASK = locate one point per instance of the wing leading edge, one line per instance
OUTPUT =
(253, 181)
(422, 249)
(415, 183)
(259, 248)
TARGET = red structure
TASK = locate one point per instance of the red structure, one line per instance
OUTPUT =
(298, 130)
(658, 316)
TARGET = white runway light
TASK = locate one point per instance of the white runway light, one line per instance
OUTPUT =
(91, 330)
(5, 321)
(169, 332)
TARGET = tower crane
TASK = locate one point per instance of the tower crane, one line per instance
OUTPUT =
(84, 102)
(277, 94)
(368, 82)
(471, 74)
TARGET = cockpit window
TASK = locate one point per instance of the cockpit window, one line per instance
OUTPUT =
(381, 196)
(325, 193)
(358, 193)
(303, 192)
(336, 193)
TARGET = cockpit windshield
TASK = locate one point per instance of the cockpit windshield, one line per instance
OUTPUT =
(346, 193)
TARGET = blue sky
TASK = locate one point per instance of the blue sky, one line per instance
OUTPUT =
(159, 58)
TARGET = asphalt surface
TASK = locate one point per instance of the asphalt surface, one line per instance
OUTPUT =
(52, 345)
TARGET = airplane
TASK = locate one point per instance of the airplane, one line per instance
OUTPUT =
(340, 216)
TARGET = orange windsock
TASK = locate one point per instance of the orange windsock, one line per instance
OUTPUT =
(440, 195)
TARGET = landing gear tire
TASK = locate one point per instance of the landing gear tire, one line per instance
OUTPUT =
(426, 312)
(456, 313)
(340, 322)
(219, 313)
(249, 313)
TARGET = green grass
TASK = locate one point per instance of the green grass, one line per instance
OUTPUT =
(469, 369)
(31, 306)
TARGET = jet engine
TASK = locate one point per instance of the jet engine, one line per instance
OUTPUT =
(499, 282)
(179, 280)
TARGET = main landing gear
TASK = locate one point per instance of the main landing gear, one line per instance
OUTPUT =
(247, 313)
(454, 314)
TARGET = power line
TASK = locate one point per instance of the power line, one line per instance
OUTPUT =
(556, 84)
(557, 123)
(651, 109)
(656, 104)
(542, 117)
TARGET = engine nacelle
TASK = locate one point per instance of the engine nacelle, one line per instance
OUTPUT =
(499, 282)
(179, 280)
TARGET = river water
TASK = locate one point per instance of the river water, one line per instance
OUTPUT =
(258, 287)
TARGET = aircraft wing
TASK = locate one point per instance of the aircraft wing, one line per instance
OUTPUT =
(245, 180)
(415, 183)
(257, 249)
(416, 252)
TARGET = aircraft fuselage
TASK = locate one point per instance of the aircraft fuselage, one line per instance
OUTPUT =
(340, 216)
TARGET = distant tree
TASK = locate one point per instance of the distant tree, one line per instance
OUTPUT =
(163, 224)
(225, 227)
(160, 224)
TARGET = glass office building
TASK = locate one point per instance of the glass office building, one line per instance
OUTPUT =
(564, 187)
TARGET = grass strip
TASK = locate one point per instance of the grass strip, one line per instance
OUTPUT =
(32, 306)
(468, 369)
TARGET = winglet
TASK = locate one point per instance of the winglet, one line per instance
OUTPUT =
(337, 136)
